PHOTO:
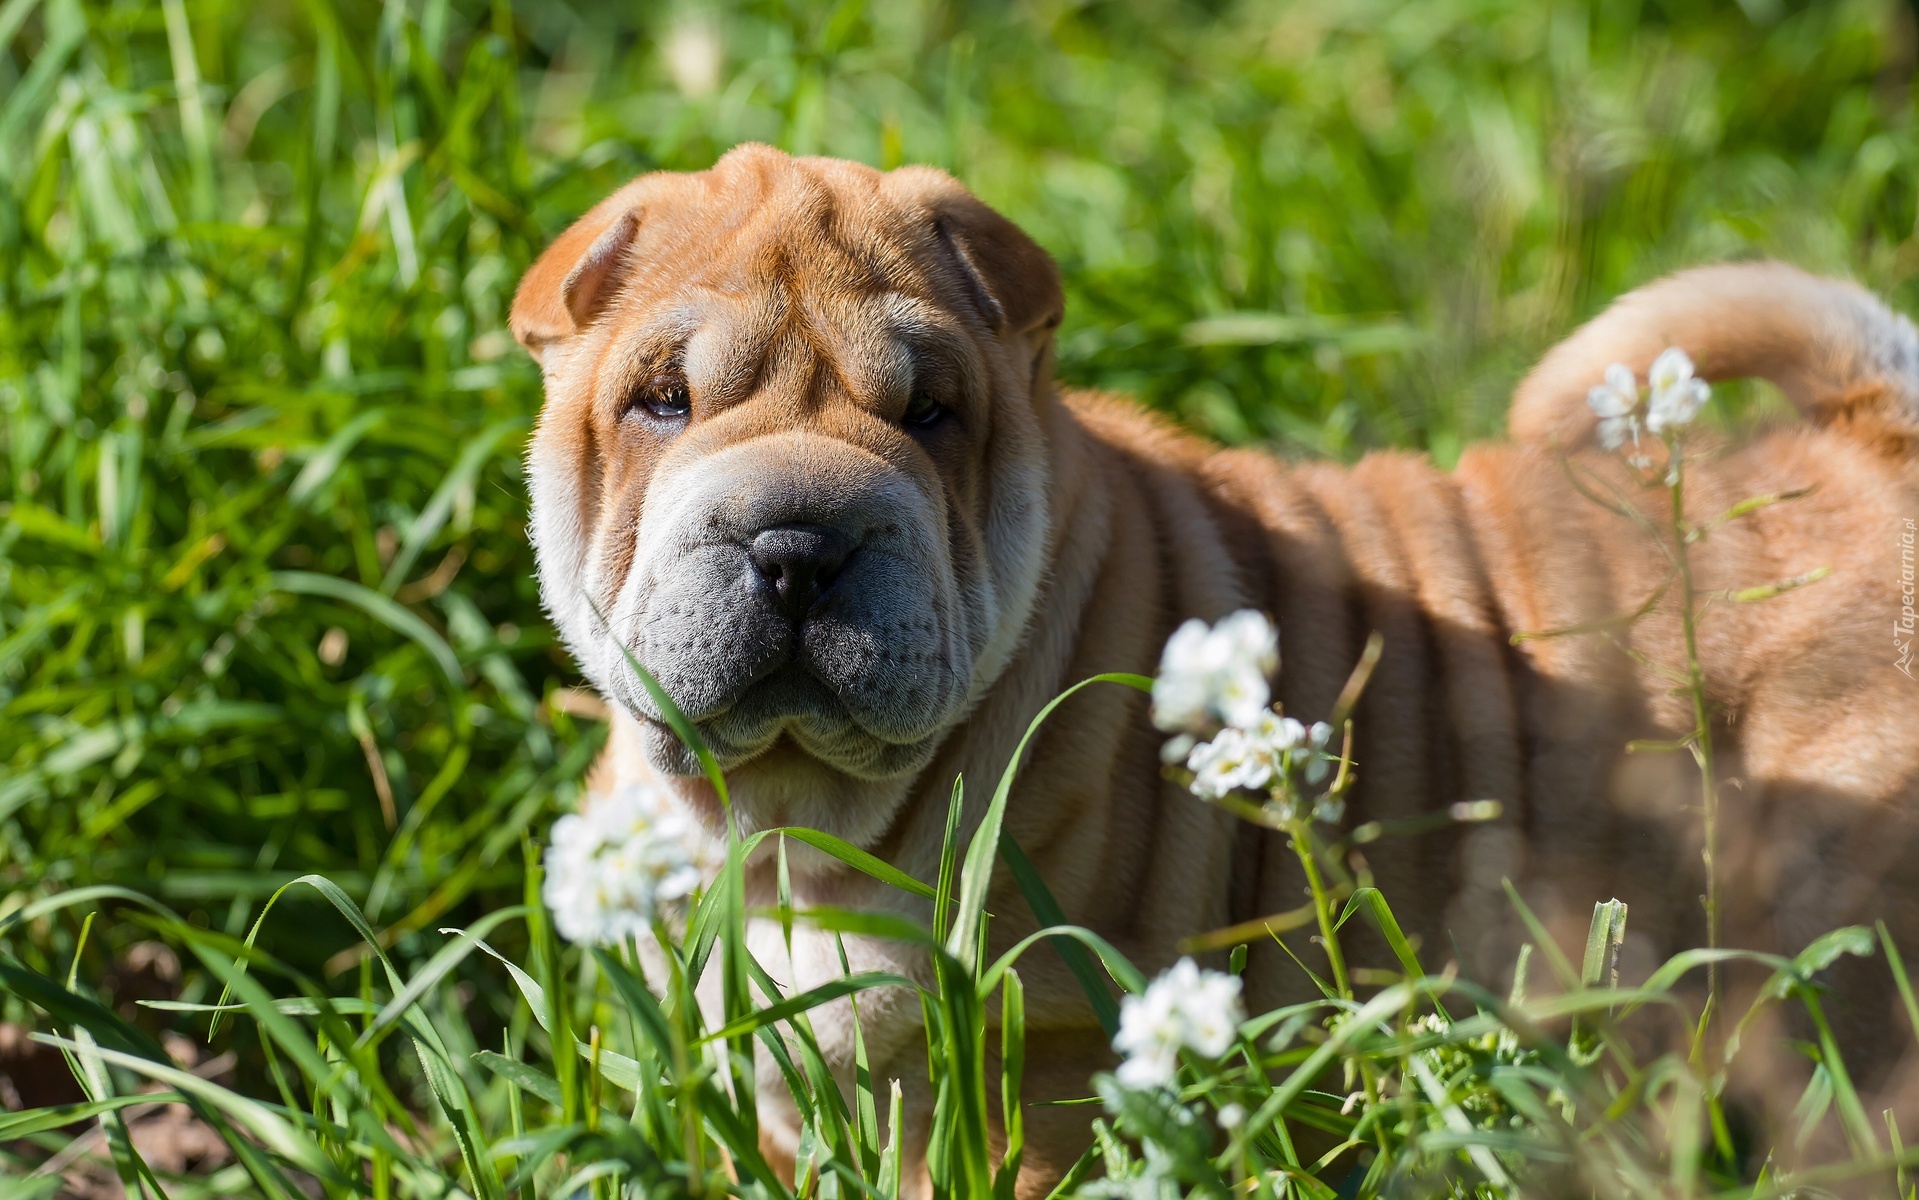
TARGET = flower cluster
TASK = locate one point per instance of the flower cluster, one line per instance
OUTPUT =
(1213, 680)
(1213, 676)
(1676, 398)
(612, 866)
(1255, 756)
(1185, 1008)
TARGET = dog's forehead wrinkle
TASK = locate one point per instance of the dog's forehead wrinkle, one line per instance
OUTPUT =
(901, 336)
(646, 345)
(723, 351)
(865, 330)
(803, 226)
(876, 348)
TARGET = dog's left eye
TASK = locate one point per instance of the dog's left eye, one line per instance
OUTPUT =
(922, 410)
(664, 397)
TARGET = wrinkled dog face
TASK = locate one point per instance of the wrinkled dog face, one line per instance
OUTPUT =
(790, 460)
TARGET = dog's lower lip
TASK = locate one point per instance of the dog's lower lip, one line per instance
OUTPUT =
(736, 694)
(786, 735)
(745, 689)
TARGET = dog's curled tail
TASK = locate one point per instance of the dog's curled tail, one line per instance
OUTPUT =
(1842, 356)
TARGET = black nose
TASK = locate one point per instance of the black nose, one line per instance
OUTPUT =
(799, 563)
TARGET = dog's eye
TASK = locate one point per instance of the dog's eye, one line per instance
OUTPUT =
(922, 410)
(663, 397)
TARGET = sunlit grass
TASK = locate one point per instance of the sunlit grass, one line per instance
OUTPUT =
(610, 1081)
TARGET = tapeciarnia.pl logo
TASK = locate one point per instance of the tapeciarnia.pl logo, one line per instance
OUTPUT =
(1903, 625)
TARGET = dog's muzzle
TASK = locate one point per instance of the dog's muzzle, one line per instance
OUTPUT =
(820, 606)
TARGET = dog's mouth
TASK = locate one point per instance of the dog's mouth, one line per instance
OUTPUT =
(770, 704)
(785, 703)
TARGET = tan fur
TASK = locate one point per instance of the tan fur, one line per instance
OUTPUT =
(1838, 353)
(1146, 525)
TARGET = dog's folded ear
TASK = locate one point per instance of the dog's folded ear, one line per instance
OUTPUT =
(578, 273)
(1013, 282)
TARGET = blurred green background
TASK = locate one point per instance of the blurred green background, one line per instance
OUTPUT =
(266, 604)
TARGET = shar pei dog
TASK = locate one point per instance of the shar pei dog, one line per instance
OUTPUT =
(803, 457)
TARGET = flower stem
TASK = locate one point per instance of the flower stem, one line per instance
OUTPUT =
(1701, 744)
(1301, 833)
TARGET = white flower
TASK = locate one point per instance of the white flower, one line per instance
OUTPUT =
(1232, 1116)
(1215, 676)
(1211, 1007)
(1613, 403)
(1185, 1008)
(611, 866)
(1149, 1036)
(1676, 394)
(1250, 758)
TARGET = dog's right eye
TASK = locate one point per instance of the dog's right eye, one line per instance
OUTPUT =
(923, 410)
(664, 397)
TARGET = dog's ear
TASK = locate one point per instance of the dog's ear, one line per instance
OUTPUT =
(1011, 280)
(1014, 282)
(572, 281)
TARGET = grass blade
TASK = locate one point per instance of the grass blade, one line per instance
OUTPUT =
(981, 853)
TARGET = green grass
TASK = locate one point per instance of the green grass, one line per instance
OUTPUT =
(612, 1083)
(266, 607)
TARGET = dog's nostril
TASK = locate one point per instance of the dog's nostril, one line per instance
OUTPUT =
(799, 562)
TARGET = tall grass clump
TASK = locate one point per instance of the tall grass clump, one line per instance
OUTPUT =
(265, 601)
(613, 1077)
